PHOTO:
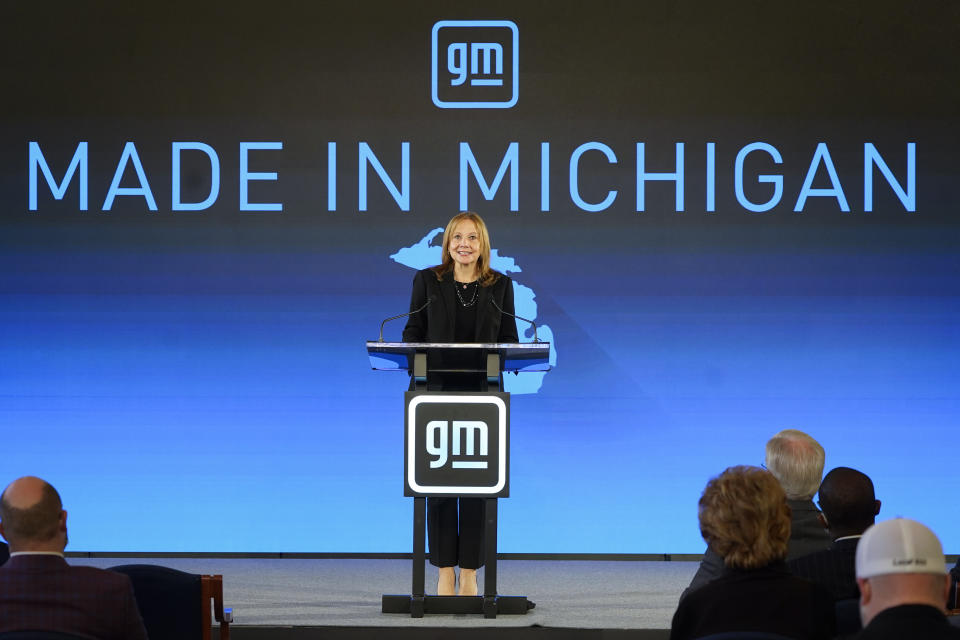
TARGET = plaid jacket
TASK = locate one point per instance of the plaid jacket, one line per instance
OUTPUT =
(43, 592)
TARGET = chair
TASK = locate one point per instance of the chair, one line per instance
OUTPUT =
(175, 605)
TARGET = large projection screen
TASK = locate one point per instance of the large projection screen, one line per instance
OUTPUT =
(728, 219)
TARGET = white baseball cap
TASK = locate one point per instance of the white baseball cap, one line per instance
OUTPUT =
(899, 546)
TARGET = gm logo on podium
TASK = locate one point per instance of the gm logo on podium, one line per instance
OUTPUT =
(456, 444)
(475, 64)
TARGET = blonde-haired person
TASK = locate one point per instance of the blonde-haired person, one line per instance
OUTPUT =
(745, 519)
(461, 291)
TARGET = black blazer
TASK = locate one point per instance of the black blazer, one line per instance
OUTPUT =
(436, 323)
(833, 568)
(767, 599)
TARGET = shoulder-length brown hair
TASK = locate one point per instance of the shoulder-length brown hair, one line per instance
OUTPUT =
(745, 518)
(487, 275)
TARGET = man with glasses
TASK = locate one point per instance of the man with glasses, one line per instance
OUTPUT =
(796, 460)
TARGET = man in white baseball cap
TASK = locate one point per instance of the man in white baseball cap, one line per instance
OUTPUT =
(902, 575)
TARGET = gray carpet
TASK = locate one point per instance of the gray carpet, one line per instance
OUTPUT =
(572, 594)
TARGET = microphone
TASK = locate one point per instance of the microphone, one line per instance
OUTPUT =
(404, 315)
(535, 338)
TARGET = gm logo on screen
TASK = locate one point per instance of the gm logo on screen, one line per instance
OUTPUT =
(475, 64)
(456, 444)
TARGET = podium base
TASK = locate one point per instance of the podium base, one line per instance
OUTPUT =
(489, 607)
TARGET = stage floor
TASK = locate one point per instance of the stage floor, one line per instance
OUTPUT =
(570, 594)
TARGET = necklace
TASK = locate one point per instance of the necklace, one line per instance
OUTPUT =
(464, 286)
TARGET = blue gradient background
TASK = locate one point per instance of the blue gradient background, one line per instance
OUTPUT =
(197, 381)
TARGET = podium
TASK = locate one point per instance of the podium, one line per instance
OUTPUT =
(456, 444)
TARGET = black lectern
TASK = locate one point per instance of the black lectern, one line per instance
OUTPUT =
(457, 444)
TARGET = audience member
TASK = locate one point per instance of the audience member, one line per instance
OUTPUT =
(39, 591)
(744, 517)
(903, 582)
(796, 461)
(4, 552)
(848, 506)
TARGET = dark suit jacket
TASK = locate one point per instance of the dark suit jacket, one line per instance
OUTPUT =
(437, 323)
(806, 536)
(833, 568)
(44, 593)
(909, 621)
(768, 599)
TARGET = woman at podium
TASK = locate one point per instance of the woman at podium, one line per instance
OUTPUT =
(463, 294)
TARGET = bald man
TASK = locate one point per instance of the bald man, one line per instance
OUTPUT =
(39, 590)
(903, 583)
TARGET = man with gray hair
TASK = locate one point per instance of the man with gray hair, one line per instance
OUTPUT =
(39, 591)
(796, 460)
(903, 580)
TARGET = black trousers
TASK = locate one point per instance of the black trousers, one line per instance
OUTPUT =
(455, 525)
(455, 541)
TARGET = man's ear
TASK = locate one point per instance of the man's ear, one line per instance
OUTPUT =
(866, 593)
(3, 533)
(876, 511)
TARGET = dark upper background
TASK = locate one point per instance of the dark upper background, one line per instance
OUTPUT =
(302, 60)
